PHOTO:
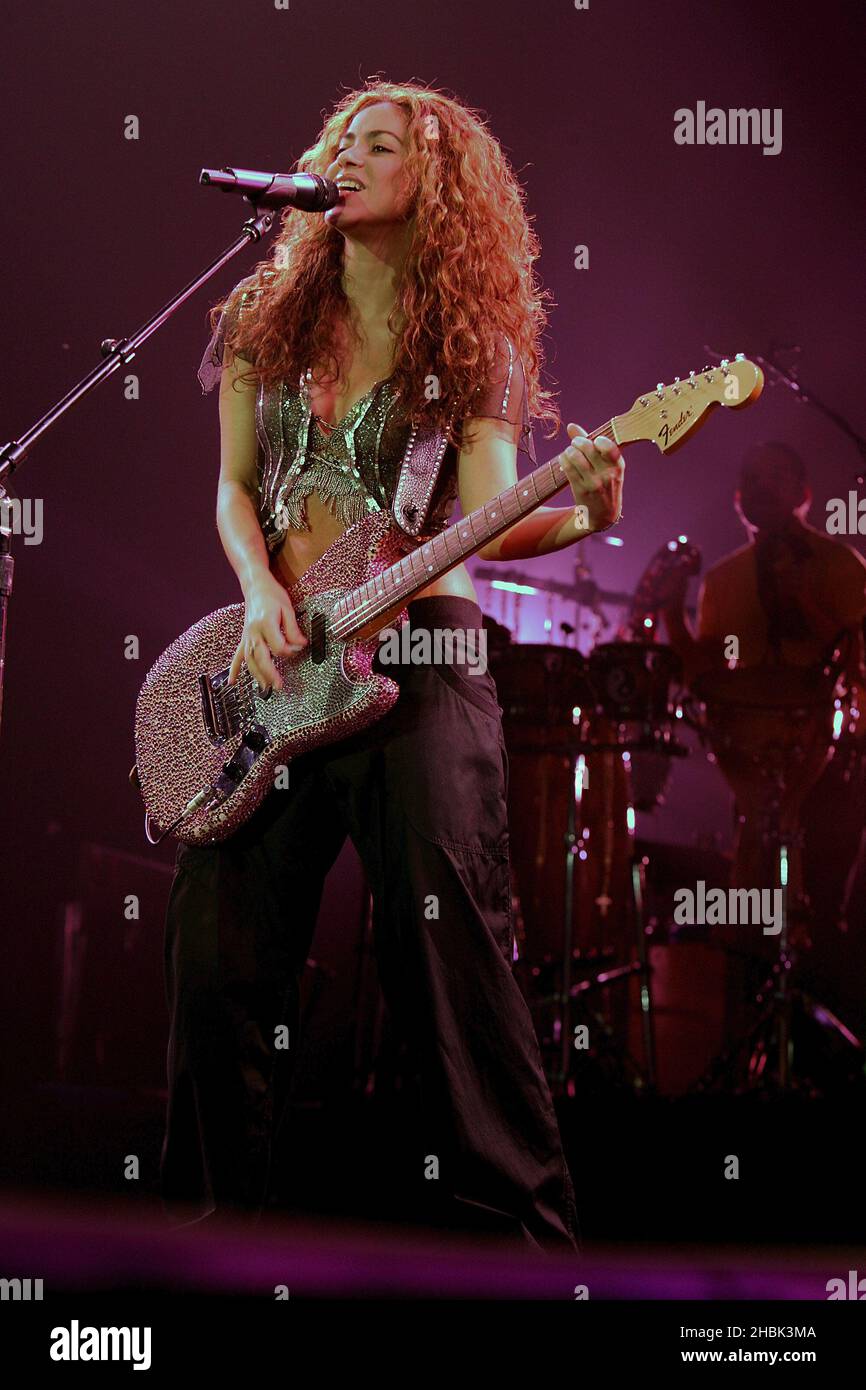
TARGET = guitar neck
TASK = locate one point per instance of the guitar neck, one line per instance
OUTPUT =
(408, 576)
(668, 416)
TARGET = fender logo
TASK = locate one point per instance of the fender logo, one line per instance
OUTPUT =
(667, 432)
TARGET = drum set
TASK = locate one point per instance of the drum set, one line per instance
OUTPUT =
(591, 740)
(773, 732)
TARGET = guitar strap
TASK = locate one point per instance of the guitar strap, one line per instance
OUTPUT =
(422, 464)
(419, 472)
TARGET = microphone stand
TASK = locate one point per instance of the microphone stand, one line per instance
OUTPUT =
(115, 351)
(787, 376)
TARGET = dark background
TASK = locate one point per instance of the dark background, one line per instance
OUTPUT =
(688, 246)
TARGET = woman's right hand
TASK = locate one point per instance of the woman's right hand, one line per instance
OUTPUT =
(270, 629)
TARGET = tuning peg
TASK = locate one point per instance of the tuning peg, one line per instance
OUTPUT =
(740, 357)
(692, 381)
(660, 389)
(724, 364)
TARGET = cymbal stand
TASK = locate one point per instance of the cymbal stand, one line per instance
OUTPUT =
(568, 993)
(777, 999)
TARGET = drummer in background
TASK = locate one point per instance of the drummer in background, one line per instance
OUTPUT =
(789, 596)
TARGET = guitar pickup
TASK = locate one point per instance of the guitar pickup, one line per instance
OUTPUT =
(318, 638)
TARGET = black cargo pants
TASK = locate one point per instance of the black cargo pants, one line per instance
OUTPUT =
(422, 795)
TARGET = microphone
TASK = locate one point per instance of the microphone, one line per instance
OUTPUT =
(306, 192)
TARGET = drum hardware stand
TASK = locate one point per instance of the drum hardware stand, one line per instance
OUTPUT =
(777, 996)
(568, 993)
(585, 594)
(368, 1025)
(638, 881)
(779, 1011)
(780, 367)
(582, 591)
(516, 603)
(640, 1080)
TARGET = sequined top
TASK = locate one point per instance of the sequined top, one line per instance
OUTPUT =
(354, 466)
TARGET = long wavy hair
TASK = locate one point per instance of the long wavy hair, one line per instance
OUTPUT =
(468, 275)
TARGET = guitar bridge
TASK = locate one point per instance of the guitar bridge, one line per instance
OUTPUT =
(223, 709)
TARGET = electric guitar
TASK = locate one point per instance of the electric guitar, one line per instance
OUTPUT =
(208, 752)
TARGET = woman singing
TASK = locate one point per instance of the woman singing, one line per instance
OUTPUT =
(412, 300)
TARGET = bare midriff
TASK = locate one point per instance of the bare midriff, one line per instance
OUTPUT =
(301, 549)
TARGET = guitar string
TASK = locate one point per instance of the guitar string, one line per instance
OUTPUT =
(398, 591)
(374, 605)
(370, 605)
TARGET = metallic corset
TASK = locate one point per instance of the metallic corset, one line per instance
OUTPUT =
(354, 468)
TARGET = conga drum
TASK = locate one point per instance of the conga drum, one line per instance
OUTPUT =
(631, 685)
(771, 730)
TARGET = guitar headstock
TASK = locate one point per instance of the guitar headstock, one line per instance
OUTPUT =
(669, 414)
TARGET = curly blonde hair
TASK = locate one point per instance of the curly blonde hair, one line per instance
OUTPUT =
(467, 278)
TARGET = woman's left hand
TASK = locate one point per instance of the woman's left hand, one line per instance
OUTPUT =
(595, 471)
